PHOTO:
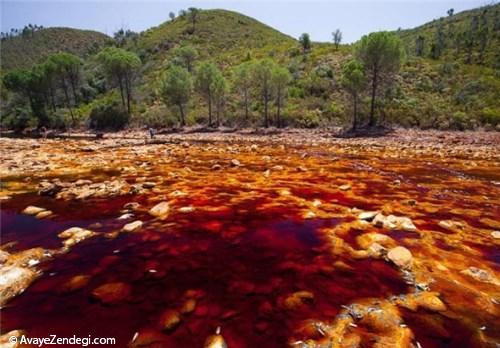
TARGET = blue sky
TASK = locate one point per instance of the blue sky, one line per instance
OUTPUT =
(318, 18)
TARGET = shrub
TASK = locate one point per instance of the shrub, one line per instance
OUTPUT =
(309, 118)
(108, 117)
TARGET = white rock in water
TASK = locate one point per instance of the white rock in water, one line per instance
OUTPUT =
(187, 209)
(125, 216)
(367, 215)
(13, 281)
(495, 234)
(133, 226)
(160, 210)
(75, 235)
(32, 210)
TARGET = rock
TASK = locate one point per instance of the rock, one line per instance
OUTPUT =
(451, 225)
(392, 222)
(235, 163)
(216, 167)
(133, 226)
(112, 293)
(82, 182)
(43, 214)
(345, 187)
(13, 281)
(480, 275)
(367, 215)
(147, 338)
(215, 341)
(148, 185)
(50, 189)
(309, 215)
(125, 216)
(28, 257)
(131, 206)
(367, 239)
(254, 147)
(76, 283)
(297, 299)
(160, 210)
(6, 340)
(495, 234)
(75, 235)
(169, 320)
(32, 210)
(4, 256)
(401, 257)
(187, 209)
(188, 306)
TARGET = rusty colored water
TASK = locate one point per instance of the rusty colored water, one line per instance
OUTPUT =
(249, 244)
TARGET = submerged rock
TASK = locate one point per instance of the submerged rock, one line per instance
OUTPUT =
(481, 275)
(160, 210)
(297, 299)
(76, 283)
(215, 341)
(169, 320)
(112, 293)
(401, 257)
(43, 214)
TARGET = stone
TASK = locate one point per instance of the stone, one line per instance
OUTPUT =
(148, 185)
(131, 206)
(188, 306)
(133, 226)
(215, 341)
(345, 187)
(216, 167)
(367, 215)
(50, 189)
(13, 281)
(393, 222)
(297, 300)
(401, 257)
(480, 275)
(160, 210)
(6, 340)
(367, 239)
(235, 163)
(4, 256)
(188, 209)
(169, 320)
(125, 216)
(76, 283)
(33, 210)
(28, 257)
(43, 214)
(495, 234)
(112, 293)
(75, 235)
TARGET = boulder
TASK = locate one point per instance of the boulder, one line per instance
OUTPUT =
(160, 210)
(401, 257)
(13, 281)
(43, 214)
(33, 210)
(75, 235)
(367, 215)
(133, 226)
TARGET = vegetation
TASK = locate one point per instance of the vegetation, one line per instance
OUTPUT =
(444, 74)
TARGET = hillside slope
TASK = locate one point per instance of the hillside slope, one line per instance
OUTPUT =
(23, 52)
(471, 37)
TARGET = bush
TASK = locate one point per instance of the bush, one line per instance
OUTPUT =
(108, 117)
(309, 118)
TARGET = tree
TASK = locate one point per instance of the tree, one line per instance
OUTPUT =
(171, 15)
(419, 45)
(280, 79)
(439, 41)
(353, 80)
(193, 13)
(65, 67)
(337, 38)
(29, 84)
(186, 55)
(120, 65)
(450, 12)
(243, 82)
(262, 73)
(305, 42)
(176, 88)
(381, 54)
(220, 89)
(206, 74)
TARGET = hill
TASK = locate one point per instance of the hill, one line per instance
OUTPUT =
(23, 51)
(470, 37)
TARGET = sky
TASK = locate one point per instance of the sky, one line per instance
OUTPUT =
(293, 17)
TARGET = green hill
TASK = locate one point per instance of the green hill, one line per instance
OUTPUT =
(23, 51)
(471, 37)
